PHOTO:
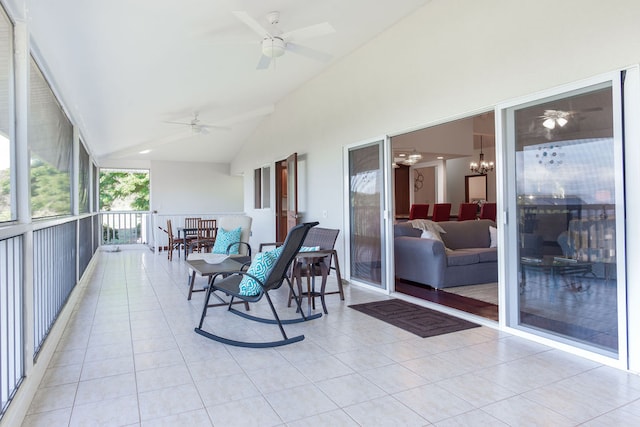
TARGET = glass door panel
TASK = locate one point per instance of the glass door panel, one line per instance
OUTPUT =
(366, 201)
(567, 206)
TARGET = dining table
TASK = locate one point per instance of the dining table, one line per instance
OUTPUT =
(186, 233)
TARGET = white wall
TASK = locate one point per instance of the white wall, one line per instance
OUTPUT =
(210, 188)
(450, 59)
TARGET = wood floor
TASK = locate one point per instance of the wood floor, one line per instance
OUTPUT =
(470, 305)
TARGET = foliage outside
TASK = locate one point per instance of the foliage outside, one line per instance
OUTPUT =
(5, 195)
(50, 190)
(120, 190)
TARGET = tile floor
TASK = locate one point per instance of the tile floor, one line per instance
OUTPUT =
(129, 357)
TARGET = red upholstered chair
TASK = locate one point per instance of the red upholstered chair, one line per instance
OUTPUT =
(441, 211)
(467, 211)
(488, 211)
(419, 211)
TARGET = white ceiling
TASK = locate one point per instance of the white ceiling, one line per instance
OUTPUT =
(123, 68)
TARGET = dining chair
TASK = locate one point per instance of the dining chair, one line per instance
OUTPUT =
(189, 232)
(441, 212)
(467, 211)
(419, 211)
(191, 223)
(488, 211)
(324, 239)
(205, 236)
(174, 242)
(267, 272)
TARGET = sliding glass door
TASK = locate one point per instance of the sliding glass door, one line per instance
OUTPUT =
(366, 204)
(566, 217)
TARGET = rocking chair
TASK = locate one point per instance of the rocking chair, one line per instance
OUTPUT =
(275, 276)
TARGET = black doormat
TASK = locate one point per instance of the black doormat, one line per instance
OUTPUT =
(413, 318)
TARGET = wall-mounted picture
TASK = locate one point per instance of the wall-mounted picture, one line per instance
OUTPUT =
(475, 188)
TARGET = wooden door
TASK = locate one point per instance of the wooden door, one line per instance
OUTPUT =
(286, 196)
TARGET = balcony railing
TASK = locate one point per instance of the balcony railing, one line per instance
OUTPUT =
(121, 228)
(11, 332)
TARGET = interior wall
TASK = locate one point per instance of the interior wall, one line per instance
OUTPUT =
(210, 186)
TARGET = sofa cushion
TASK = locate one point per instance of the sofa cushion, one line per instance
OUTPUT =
(405, 229)
(467, 234)
(462, 257)
(487, 255)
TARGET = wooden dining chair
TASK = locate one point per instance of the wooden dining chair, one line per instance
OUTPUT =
(467, 211)
(190, 231)
(441, 212)
(174, 242)
(205, 236)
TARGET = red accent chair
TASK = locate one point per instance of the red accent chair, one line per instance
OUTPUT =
(419, 211)
(488, 211)
(467, 211)
(441, 212)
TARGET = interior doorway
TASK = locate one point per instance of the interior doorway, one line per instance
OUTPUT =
(432, 165)
(286, 196)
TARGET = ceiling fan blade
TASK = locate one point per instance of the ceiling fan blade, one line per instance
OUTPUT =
(252, 23)
(311, 31)
(213, 127)
(258, 112)
(176, 123)
(308, 52)
(263, 63)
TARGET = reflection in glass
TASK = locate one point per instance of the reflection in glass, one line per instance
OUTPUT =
(365, 194)
(565, 177)
(51, 149)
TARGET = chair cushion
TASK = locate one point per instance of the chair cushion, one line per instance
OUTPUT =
(309, 248)
(260, 268)
(226, 237)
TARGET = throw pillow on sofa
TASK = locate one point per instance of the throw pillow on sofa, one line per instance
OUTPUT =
(493, 234)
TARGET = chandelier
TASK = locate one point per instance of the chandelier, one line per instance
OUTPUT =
(481, 167)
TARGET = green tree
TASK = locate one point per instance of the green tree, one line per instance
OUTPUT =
(50, 190)
(130, 188)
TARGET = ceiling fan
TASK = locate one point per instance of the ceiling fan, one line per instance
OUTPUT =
(197, 126)
(275, 42)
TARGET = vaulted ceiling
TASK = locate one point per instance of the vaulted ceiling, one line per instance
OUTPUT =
(124, 69)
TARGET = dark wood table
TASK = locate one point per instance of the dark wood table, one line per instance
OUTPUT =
(311, 260)
(185, 234)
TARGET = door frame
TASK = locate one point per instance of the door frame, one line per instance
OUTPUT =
(387, 278)
(625, 133)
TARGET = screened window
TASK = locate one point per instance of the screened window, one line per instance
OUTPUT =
(83, 180)
(51, 148)
(262, 188)
(7, 193)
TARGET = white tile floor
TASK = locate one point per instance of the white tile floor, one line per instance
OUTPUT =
(129, 357)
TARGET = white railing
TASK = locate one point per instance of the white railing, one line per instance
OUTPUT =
(121, 228)
(11, 319)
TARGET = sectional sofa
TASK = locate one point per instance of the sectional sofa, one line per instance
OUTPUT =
(461, 254)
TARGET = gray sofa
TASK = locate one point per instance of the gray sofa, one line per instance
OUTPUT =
(467, 259)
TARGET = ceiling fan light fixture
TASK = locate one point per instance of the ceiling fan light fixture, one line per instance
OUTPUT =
(273, 47)
(549, 123)
(562, 121)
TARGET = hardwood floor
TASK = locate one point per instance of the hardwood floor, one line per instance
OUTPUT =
(469, 305)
